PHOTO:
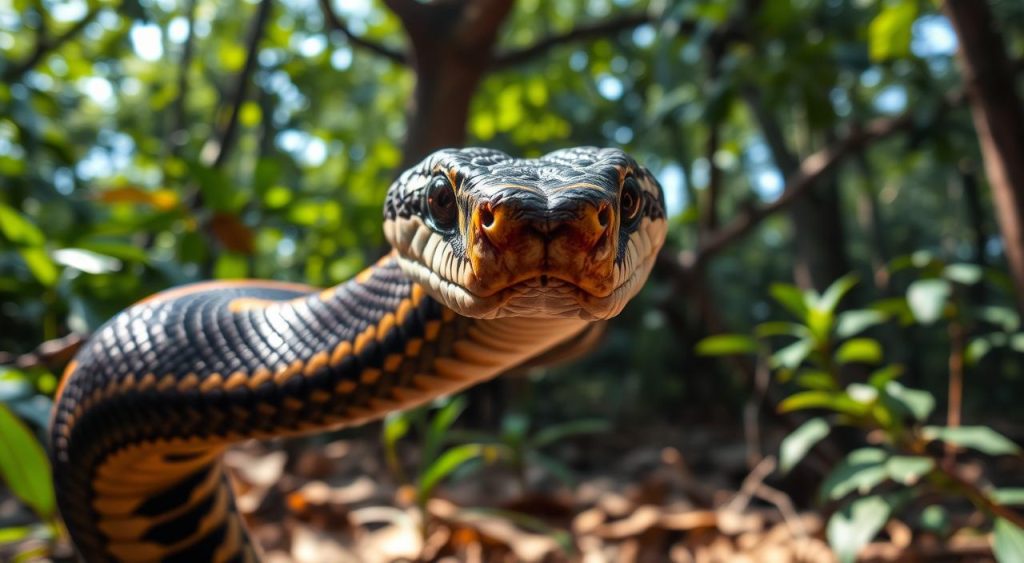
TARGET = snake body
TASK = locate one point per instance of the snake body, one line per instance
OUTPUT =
(495, 261)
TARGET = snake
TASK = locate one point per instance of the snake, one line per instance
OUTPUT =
(495, 262)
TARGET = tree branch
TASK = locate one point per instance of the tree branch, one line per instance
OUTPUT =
(45, 46)
(53, 354)
(177, 134)
(581, 32)
(226, 139)
(338, 24)
(797, 185)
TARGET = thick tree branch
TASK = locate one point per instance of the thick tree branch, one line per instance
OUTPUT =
(46, 45)
(581, 32)
(338, 24)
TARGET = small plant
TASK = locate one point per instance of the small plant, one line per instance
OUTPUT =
(436, 464)
(836, 370)
(524, 448)
(24, 466)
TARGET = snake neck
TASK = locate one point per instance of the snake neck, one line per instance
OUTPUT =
(161, 389)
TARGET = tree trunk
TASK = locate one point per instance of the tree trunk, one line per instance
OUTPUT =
(998, 118)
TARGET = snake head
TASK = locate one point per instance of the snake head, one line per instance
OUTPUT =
(573, 233)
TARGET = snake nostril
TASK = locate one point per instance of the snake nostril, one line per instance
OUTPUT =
(486, 216)
(604, 216)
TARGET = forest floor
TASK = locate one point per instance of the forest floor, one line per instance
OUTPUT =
(651, 497)
(634, 498)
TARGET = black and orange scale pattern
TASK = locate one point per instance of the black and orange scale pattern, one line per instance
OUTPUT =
(236, 360)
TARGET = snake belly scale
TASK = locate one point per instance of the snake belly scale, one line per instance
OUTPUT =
(495, 261)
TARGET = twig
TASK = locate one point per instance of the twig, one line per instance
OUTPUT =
(52, 353)
(178, 107)
(45, 46)
(956, 382)
(581, 32)
(338, 24)
(226, 139)
(754, 479)
(784, 504)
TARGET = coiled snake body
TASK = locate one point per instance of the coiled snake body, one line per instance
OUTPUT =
(495, 261)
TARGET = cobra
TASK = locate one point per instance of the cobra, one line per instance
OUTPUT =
(495, 262)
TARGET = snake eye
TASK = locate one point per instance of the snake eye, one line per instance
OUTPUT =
(441, 204)
(631, 202)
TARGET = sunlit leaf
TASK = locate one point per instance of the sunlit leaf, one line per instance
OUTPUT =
(800, 441)
(1007, 541)
(889, 32)
(880, 377)
(40, 264)
(908, 470)
(857, 523)
(19, 230)
(558, 432)
(1009, 496)
(86, 261)
(791, 356)
(24, 466)
(445, 465)
(769, 329)
(163, 200)
(861, 471)
(852, 323)
(440, 423)
(967, 274)
(790, 297)
(727, 345)
(859, 350)
(927, 299)
(981, 438)
(917, 403)
(835, 292)
(816, 379)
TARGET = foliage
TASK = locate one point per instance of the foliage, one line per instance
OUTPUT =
(831, 367)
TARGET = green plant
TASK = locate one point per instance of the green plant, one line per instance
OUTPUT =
(833, 368)
(524, 446)
(436, 463)
(24, 466)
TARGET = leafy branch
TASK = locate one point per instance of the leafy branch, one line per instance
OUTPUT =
(582, 32)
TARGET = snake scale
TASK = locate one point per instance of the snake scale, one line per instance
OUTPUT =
(495, 261)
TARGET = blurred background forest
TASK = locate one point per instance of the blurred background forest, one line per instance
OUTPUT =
(826, 363)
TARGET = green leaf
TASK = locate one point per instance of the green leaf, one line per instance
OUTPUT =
(915, 402)
(861, 393)
(935, 519)
(769, 329)
(558, 432)
(979, 347)
(726, 345)
(981, 438)
(790, 297)
(444, 465)
(852, 323)
(927, 299)
(856, 524)
(816, 379)
(889, 32)
(40, 264)
(1009, 496)
(19, 230)
(440, 423)
(859, 350)
(1007, 541)
(908, 469)
(882, 376)
(835, 293)
(800, 441)
(861, 471)
(1003, 317)
(24, 465)
(967, 274)
(793, 355)
(838, 402)
(396, 426)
